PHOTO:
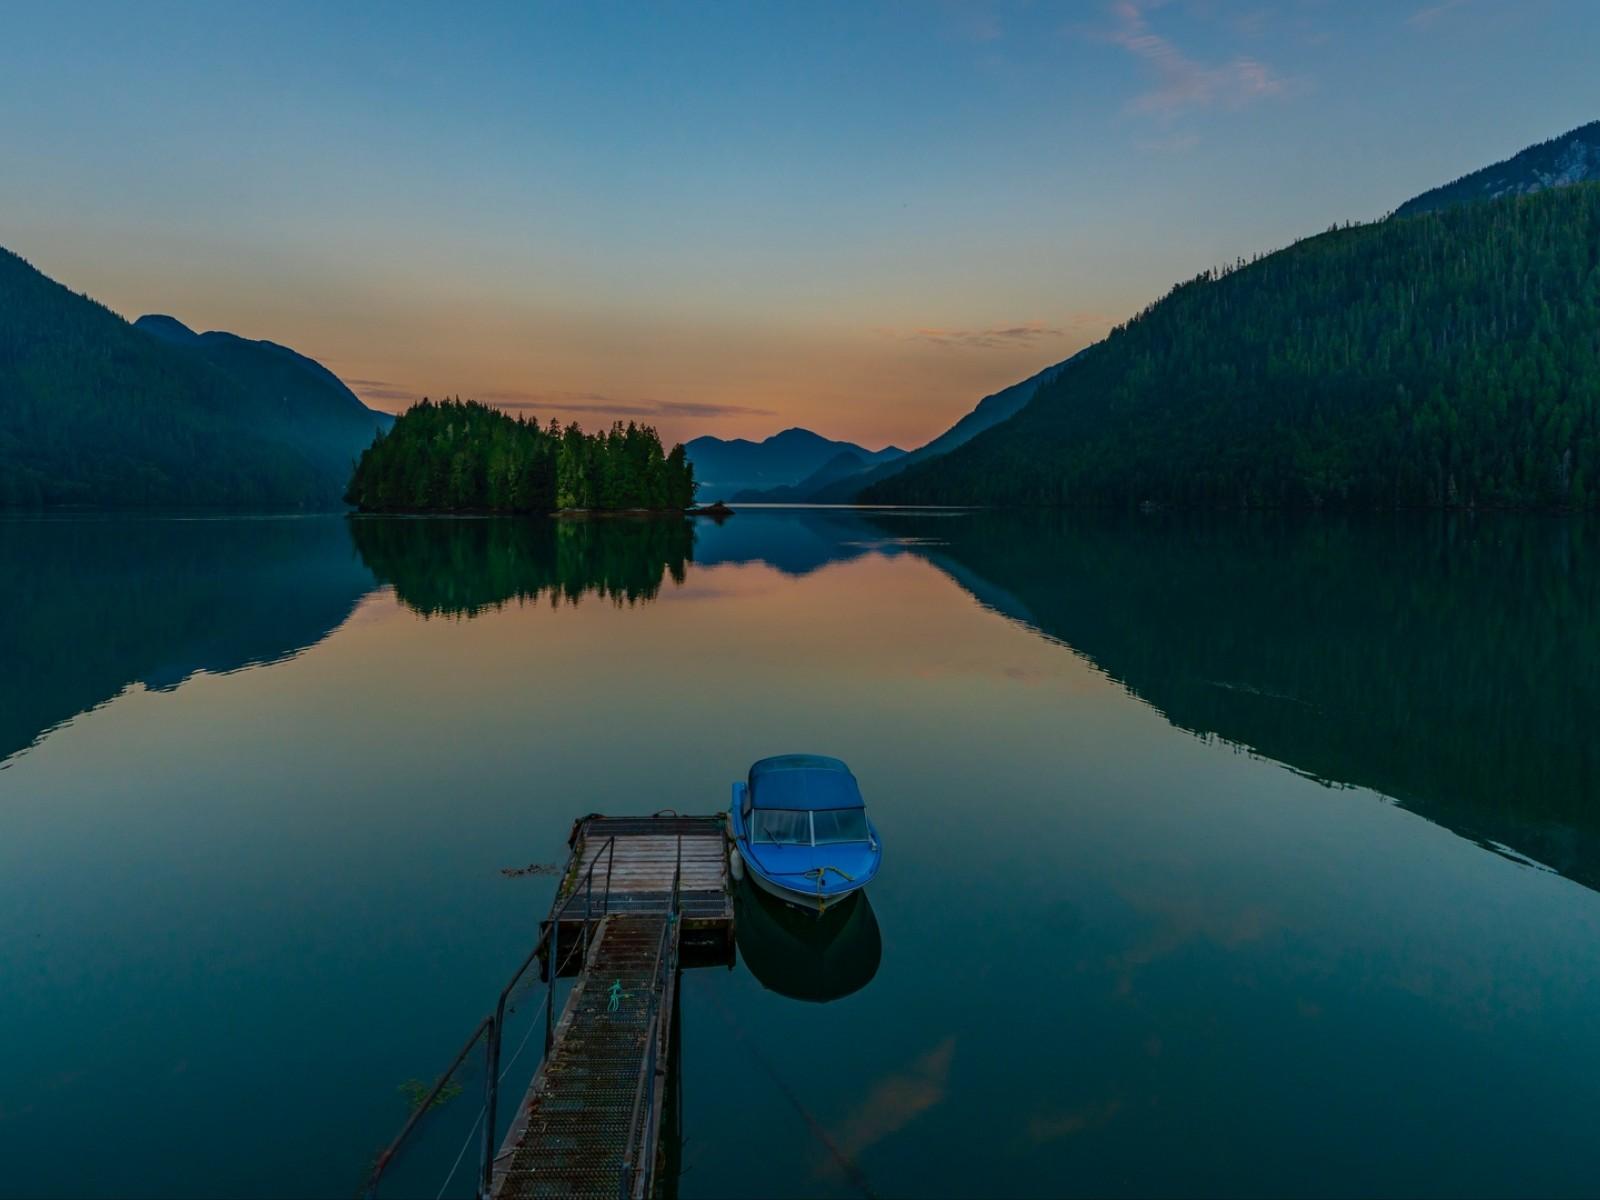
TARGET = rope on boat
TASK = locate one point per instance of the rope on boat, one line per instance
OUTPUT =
(819, 874)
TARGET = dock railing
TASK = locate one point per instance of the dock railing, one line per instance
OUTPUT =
(491, 1096)
(434, 1097)
(492, 1027)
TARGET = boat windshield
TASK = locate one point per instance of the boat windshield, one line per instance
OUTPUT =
(835, 825)
(782, 826)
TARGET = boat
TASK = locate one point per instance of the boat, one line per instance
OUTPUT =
(801, 832)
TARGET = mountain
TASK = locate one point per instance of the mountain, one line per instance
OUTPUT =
(990, 411)
(290, 396)
(847, 464)
(836, 482)
(97, 412)
(726, 468)
(1571, 158)
(1451, 358)
(287, 386)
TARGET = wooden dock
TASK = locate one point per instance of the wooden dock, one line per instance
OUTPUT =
(626, 865)
(639, 899)
(635, 893)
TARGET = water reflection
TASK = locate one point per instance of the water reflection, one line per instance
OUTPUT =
(796, 541)
(1444, 662)
(90, 606)
(1447, 662)
(1225, 972)
(461, 567)
(807, 956)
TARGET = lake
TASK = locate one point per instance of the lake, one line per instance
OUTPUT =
(1227, 854)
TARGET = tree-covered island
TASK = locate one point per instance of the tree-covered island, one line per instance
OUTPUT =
(462, 456)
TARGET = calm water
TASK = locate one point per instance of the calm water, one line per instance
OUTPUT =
(1254, 856)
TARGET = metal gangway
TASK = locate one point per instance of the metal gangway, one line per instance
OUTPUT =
(636, 895)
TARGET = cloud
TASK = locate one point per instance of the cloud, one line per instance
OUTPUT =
(382, 389)
(1052, 1126)
(1427, 18)
(975, 23)
(596, 402)
(1183, 82)
(1253, 24)
(1180, 916)
(993, 338)
(563, 402)
(896, 1101)
(1000, 337)
(1178, 143)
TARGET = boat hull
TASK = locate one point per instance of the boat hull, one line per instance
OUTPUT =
(810, 901)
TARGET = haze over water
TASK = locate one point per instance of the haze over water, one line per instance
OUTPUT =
(1245, 854)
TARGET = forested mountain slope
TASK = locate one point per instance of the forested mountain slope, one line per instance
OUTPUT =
(988, 412)
(96, 412)
(289, 394)
(1452, 358)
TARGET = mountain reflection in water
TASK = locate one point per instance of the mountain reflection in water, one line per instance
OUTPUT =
(1447, 662)
(1222, 971)
(91, 605)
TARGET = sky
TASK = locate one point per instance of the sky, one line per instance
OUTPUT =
(732, 218)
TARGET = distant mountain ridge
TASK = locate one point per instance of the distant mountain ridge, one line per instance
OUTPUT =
(989, 412)
(727, 468)
(836, 483)
(1574, 157)
(845, 465)
(100, 413)
(289, 384)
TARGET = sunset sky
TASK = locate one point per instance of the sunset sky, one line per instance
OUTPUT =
(731, 218)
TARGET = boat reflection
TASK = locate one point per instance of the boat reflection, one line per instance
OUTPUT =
(807, 956)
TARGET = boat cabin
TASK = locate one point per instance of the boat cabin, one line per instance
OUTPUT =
(804, 800)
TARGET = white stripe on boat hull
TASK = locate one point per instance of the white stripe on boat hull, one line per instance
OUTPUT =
(807, 900)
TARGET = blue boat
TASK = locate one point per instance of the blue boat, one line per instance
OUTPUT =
(801, 832)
